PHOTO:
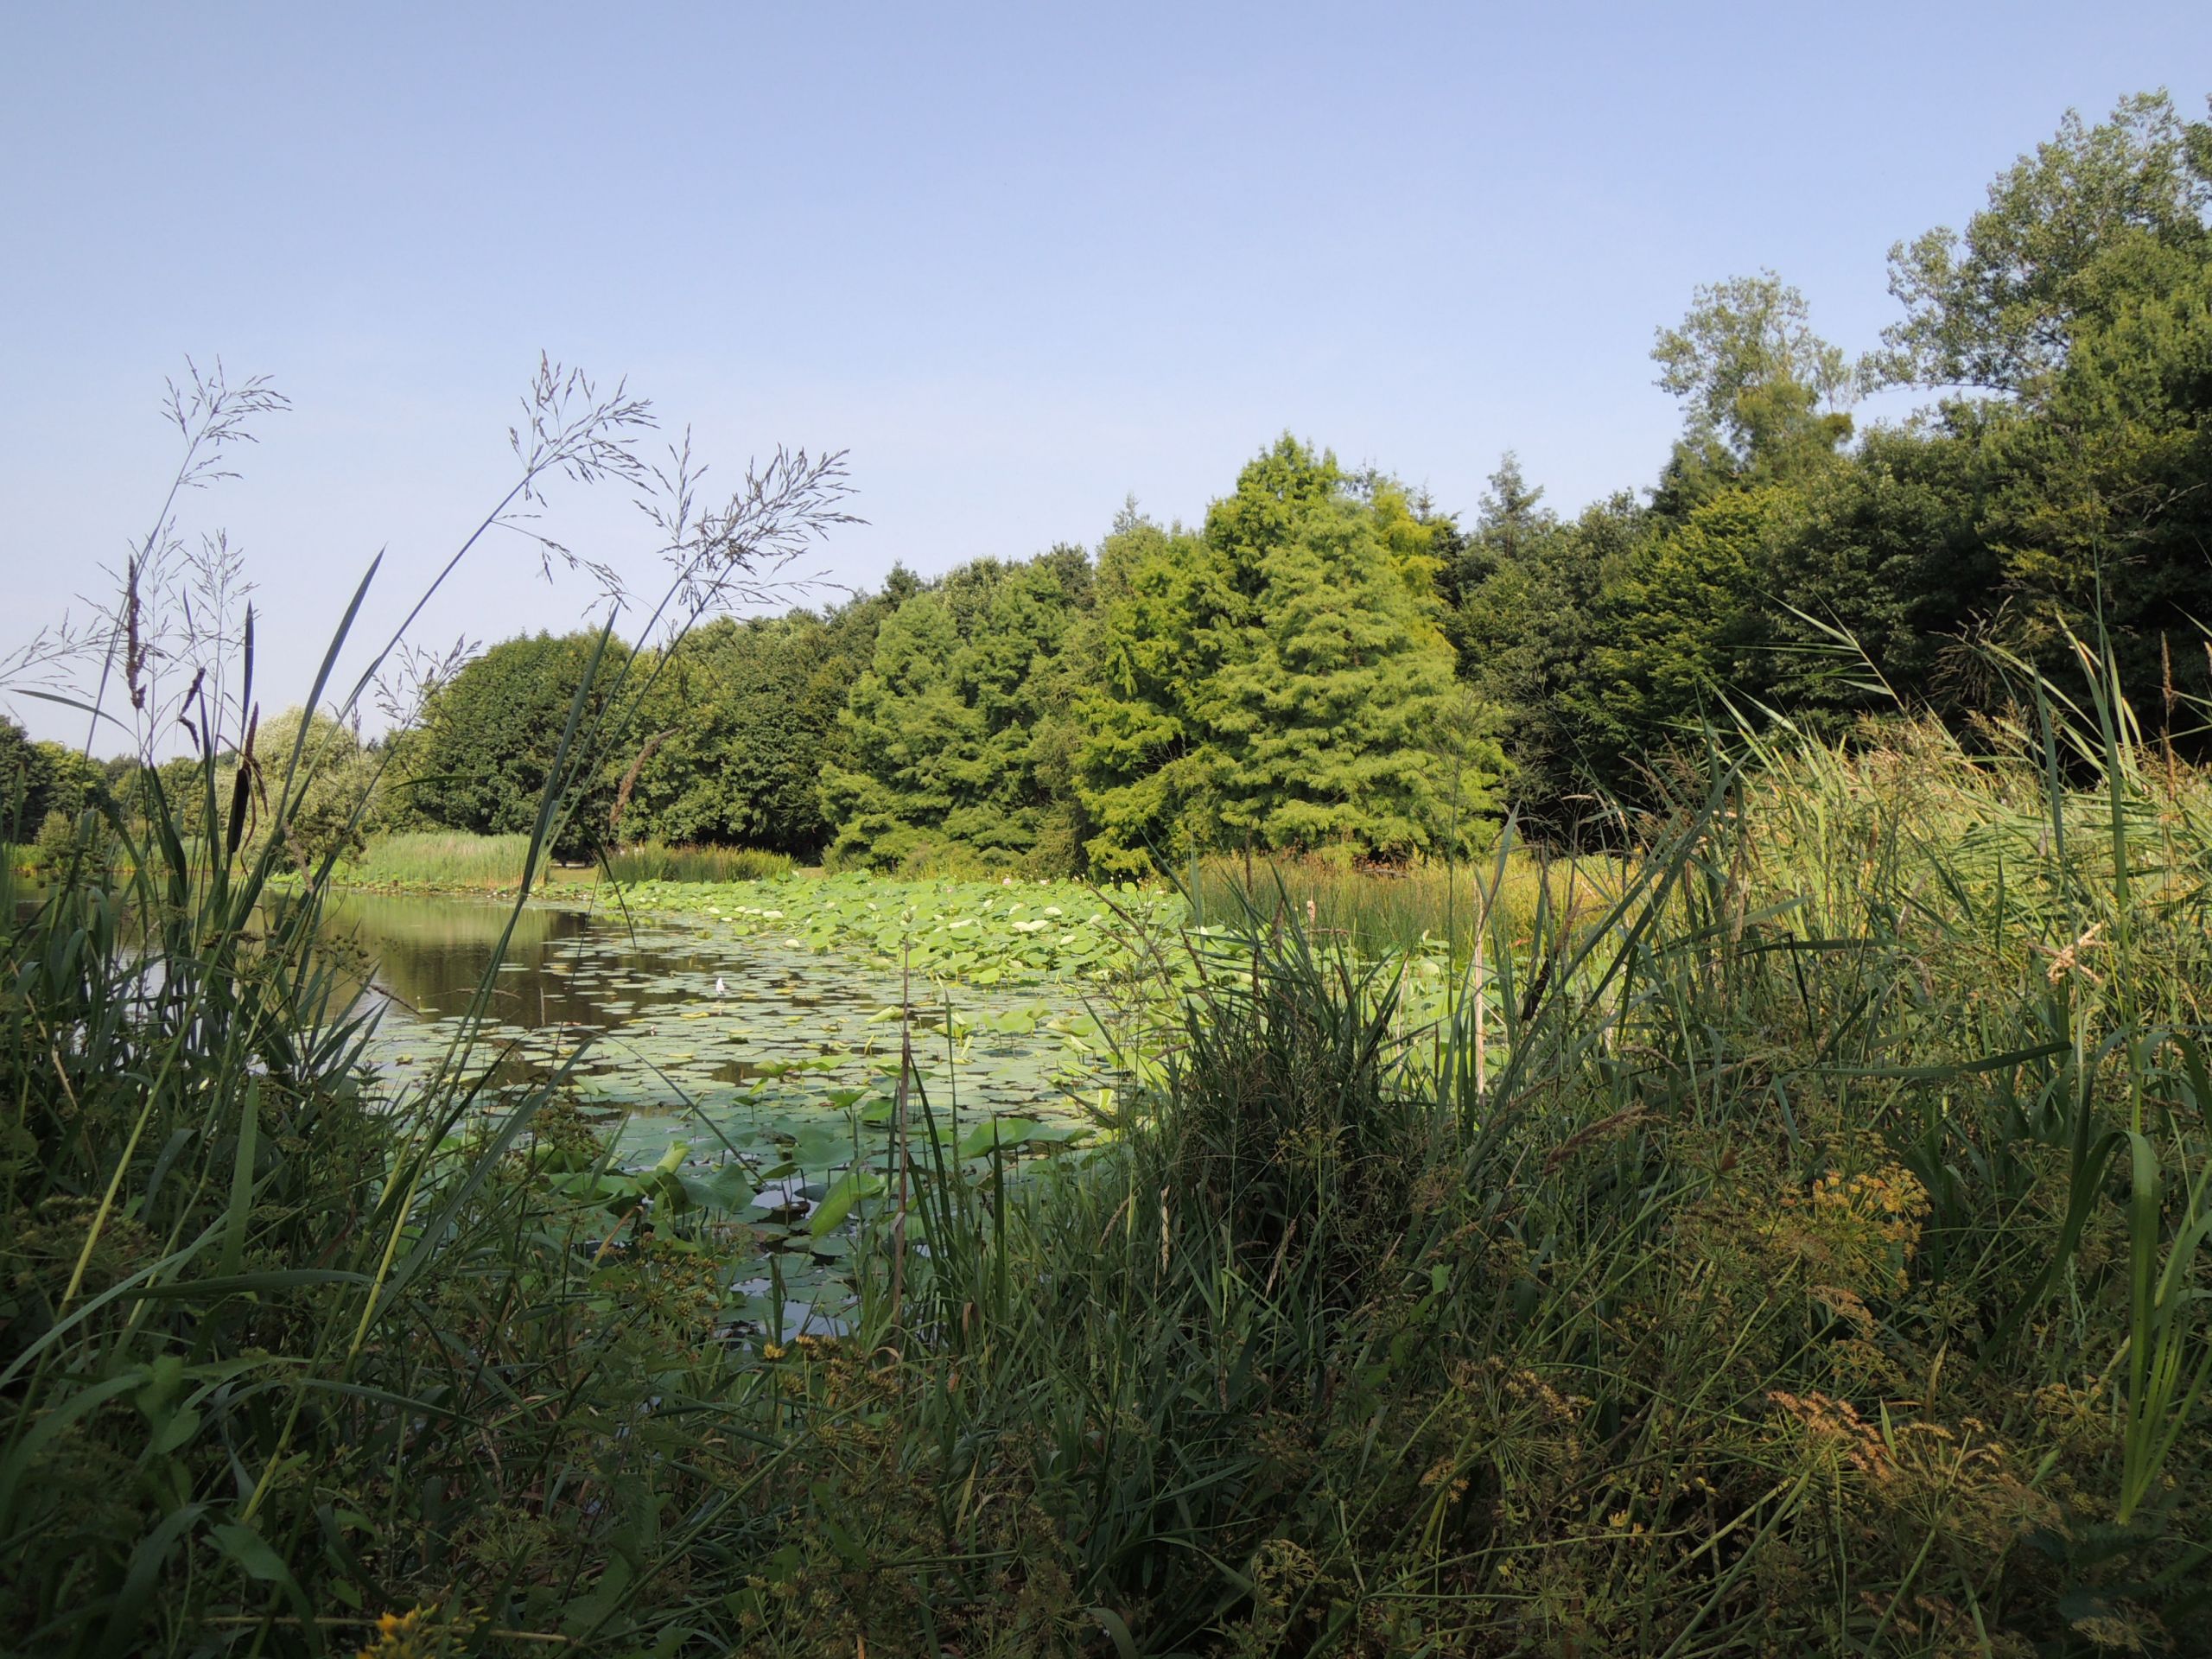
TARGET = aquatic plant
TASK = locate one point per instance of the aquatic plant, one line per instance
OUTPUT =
(652, 861)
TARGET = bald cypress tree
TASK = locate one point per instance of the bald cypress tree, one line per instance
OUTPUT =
(1281, 681)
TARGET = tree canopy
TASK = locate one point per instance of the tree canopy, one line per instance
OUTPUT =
(1328, 662)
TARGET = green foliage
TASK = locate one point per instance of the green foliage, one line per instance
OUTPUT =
(1526, 623)
(2093, 216)
(17, 760)
(1766, 1261)
(1780, 570)
(1754, 379)
(2097, 500)
(39, 780)
(1688, 620)
(1146, 765)
(741, 724)
(1794, 1230)
(1335, 706)
(341, 803)
(1282, 679)
(941, 736)
(58, 844)
(435, 858)
(492, 735)
(652, 861)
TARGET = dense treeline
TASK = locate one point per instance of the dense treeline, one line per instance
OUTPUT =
(41, 781)
(1280, 677)
(2062, 474)
(1329, 661)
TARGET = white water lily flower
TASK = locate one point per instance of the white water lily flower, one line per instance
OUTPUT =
(772, 915)
(1054, 909)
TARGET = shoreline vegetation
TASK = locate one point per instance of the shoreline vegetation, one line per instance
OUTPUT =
(1689, 1133)
(1819, 1206)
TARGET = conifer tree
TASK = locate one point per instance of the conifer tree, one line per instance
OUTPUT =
(941, 733)
(1281, 681)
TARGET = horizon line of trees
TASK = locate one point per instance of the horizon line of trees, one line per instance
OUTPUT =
(1330, 661)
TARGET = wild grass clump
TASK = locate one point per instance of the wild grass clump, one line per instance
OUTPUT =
(1821, 1263)
(652, 861)
(1379, 910)
(439, 858)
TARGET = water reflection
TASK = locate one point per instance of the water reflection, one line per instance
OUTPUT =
(681, 1019)
(430, 956)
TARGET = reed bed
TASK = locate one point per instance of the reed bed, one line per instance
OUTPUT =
(1419, 906)
(440, 858)
(652, 861)
(433, 860)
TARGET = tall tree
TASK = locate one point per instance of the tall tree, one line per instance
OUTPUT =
(2101, 494)
(2092, 215)
(1282, 680)
(1763, 395)
(1527, 631)
(1146, 766)
(18, 763)
(492, 735)
(941, 731)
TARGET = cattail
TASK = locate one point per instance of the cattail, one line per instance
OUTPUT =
(242, 785)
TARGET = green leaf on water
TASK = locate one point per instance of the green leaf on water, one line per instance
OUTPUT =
(839, 1202)
(728, 1190)
(1005, 1133)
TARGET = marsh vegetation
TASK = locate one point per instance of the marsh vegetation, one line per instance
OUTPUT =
(1244, 1150)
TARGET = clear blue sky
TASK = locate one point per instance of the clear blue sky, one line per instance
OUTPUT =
(1021, 261)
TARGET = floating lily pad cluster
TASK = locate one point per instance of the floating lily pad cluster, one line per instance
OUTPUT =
(973, 933)
(748, 1076)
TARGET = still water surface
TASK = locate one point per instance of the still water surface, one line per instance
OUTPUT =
(688, 1026)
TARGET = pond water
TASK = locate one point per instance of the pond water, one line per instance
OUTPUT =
(689, 1030)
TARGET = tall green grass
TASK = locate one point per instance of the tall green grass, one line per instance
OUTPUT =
(442, 858)
(1425, 903)
(650, 861)
(289, 1364)
(1819, 1264)
(1800, 1244)
(456, 859)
